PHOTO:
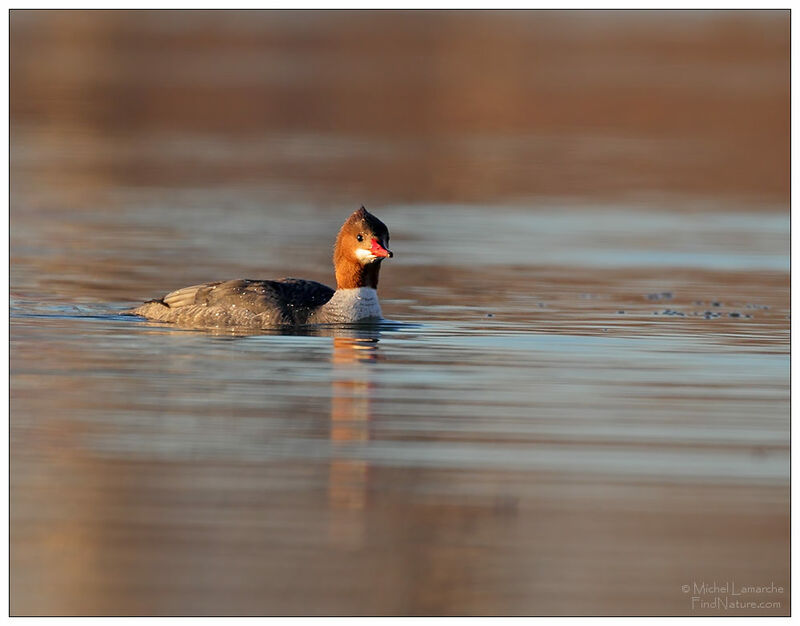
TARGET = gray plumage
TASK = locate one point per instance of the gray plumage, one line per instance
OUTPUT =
(248, 303)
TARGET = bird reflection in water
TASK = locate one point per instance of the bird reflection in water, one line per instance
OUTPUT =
(351, 397)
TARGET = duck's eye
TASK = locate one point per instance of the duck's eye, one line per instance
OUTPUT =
(360, 237)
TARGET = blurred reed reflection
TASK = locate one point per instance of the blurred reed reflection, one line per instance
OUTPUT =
(407, 106)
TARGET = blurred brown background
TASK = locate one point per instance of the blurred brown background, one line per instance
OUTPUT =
(410, 105)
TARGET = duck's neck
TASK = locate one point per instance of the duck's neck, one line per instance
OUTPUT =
(352, 275)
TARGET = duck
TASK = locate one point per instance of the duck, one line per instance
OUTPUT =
(361, 246)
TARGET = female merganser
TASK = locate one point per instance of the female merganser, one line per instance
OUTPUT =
(361, 245)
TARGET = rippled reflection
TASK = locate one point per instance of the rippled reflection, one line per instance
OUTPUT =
(351, 391)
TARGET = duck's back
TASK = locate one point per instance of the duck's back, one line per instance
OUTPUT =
(251, 303)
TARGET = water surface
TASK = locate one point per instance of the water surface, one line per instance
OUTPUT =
(581, 403)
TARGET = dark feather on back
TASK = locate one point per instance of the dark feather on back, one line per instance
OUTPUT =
(290, 299)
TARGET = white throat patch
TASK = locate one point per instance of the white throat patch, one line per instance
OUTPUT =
(364, 255)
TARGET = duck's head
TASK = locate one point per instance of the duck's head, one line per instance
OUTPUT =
(362, 243)
(364, 237)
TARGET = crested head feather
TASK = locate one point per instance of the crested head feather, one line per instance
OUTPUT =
(362, 218)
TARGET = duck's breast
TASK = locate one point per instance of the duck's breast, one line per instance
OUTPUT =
(349, 305)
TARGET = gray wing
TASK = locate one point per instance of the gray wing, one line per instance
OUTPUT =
(246, 302)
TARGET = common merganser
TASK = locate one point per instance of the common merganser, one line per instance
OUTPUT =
(361, 245)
